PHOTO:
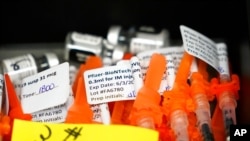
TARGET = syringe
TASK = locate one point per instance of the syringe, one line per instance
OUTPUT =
(226, 90)
(199, 93)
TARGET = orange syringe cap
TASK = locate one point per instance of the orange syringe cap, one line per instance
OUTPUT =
(80, 111)
(15, 106)
(147, 102)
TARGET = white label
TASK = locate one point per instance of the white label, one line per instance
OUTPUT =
(135, 64)
(223, 59)
(1, 91)
(86, 39)
(200, 46)
(108, 84)
(137, 73)
(175, 52)
(56, 114)
(46, 89)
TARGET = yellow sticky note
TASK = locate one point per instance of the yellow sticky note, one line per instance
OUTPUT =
(35, 131)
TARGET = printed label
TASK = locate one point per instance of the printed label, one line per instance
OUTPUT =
(108, 84)
(56, 114)
(200, 46)
(175, 52)
(223, 59)
(46, 89)
(137, 73)
(86, 39)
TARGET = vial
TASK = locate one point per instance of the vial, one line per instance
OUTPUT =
(26, 65)
(141, 39)
(111, 53)
(79, 46)
(118, 35)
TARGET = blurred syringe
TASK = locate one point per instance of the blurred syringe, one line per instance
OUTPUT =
(226, 89)
(199, 92)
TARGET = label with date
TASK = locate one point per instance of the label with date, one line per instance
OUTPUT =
(108, 84)
(46, 89)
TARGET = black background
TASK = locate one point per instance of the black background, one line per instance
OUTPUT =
(50, 20)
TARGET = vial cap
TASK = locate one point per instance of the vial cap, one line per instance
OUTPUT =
(118, 53)
(113, 34)
(52, 59)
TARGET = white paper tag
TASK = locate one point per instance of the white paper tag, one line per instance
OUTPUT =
(200, 46)
(175, 52)
(137, 73)
(223, 59)
(112, 83)
(56, 114)
(46, 89)
(173, 58)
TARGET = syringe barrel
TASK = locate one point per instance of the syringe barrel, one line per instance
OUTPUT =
(179, 124)
(146, 122)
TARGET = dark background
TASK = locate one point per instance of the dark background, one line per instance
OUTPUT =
(48, 21)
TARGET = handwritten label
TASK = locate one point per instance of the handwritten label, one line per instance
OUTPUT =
(108, 84)
(56, 114)
(35, 131)
(200, 46)
(46, 89)
(96, 112)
